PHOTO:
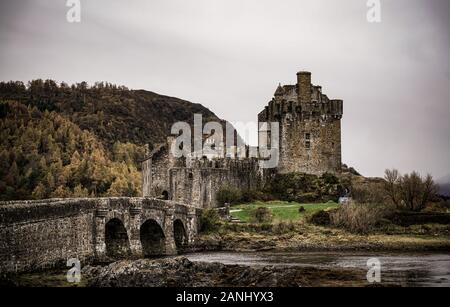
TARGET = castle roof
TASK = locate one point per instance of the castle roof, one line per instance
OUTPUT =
(279, 91)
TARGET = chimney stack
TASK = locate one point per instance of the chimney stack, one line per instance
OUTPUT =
(304, 86)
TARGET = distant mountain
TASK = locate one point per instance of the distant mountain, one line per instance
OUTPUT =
(80, 140)
(444, 185)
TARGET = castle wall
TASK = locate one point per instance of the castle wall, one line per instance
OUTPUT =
(199, 184)
(155, 173)
(147, 178)
(323, 153)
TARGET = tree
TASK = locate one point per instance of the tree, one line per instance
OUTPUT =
(228, 195)
(60, 192)
(120, 187)
(13, 175)
(410, 191)
(39, 192)
(392, 181)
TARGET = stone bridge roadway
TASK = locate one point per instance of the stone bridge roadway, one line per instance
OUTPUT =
(42, 234)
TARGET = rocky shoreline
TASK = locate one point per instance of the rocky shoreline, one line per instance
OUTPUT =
(323, 240)
(180, 272)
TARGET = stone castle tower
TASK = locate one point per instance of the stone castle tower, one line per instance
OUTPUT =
(310, 127)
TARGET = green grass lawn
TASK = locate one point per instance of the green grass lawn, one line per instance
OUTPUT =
(281, 210)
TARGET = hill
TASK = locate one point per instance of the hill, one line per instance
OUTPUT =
(444, 185)
(69, 141)
(113, 113)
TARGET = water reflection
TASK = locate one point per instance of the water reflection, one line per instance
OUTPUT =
(396, 269)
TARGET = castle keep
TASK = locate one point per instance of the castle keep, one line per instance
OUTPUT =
(309, 142)
(310, 127)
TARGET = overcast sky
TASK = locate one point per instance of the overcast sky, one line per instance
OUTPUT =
(229, 55)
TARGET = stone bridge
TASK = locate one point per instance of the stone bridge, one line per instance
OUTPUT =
(43, 234)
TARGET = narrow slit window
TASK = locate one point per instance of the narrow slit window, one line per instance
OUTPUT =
(308, 140)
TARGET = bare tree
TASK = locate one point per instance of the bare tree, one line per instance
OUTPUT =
(410, 190)
(392, 181)
(430, 190)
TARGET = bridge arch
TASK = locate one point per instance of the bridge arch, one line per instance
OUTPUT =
(179, 234)
(152, 238)
(116, 239)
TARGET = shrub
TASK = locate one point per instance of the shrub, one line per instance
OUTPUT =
(307, 197)
(329, 178)
(359, 218)
(253, 228)
(209, 220)
(302, 187)
(249, 196)
(441, 206)
(301, 209)
(320, 218)
(228, 195)
(262, 215)
(408, 218)
(283, 227)
(369, 194)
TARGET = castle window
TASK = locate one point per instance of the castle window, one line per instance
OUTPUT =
(165, 195)
(190, 176)
(308, 140)
(290, 107)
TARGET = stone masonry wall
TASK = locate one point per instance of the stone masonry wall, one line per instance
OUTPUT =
(198, 184)
(37, 235)
(155, 173)
(323, 154)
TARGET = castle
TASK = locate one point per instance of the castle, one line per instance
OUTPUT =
(309, 142)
